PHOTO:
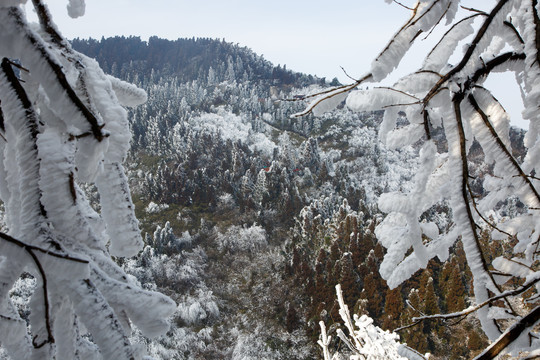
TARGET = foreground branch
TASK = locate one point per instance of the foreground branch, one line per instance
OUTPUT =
(510, 335)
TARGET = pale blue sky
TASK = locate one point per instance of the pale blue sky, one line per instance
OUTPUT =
(315, 36)
(310, 36)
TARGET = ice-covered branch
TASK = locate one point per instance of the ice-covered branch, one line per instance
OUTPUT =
(520, 329)
(332, 97)
(54, 138)
(449, 107)
(472, 309)
(13, 17)
(364, 340)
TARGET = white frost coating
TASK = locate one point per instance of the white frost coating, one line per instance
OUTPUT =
(498, 313)
(400, 229)
(127, 94)
(399, 138)
(76, 8)
(438, 57)
(517, 267)
(45, 153)
(428, 13)
(377, 98)
(230, 126)
(8, 3)
(481, 278)
(21, 46)
(199, 308)
(329, 103)
(114, 115)
(130, 299)
(119, 212)
(364, 340)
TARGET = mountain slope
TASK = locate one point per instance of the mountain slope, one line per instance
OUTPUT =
(251, 218)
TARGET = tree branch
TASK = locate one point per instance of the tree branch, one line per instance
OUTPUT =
(60, 76)
(30, 250)
(402, 5)
(510, 335)
(514, 30)
(502, 147)
(537, 30)
(470, 50)
(509, 293)
(458, 98)
(331, 93)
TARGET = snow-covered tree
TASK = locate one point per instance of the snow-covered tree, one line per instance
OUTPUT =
(449, 104)
(62, 124)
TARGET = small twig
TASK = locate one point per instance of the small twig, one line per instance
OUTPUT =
(346, 74)
(438, 21)
(405, 6)
(19, 66)
(516, 32)
(407, 326)
(473, 10)
(482, 216)
(529, 176)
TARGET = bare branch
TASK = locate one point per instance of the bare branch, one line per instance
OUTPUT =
(402, 5)
(346, 74)
(473, 10)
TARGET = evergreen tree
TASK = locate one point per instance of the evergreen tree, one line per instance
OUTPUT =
(393, 309)
(455, 294)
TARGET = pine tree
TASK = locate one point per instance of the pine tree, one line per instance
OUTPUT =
(349, 280)
(393, 309)
(455, 294)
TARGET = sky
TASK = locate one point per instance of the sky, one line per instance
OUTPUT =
(316, 37)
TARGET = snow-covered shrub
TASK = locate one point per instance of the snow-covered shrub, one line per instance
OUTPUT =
(153, 208)
(198, 308)
(241, 238)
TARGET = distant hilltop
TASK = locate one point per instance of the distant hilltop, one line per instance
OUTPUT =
(188, 60)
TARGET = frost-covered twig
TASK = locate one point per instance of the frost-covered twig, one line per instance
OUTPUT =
(364, 340)
(16, 19)
(472, 309)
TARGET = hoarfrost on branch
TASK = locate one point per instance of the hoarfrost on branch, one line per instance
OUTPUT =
(449, 104)
(62, 124)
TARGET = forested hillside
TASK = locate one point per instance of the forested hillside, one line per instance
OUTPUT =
(250, 218)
